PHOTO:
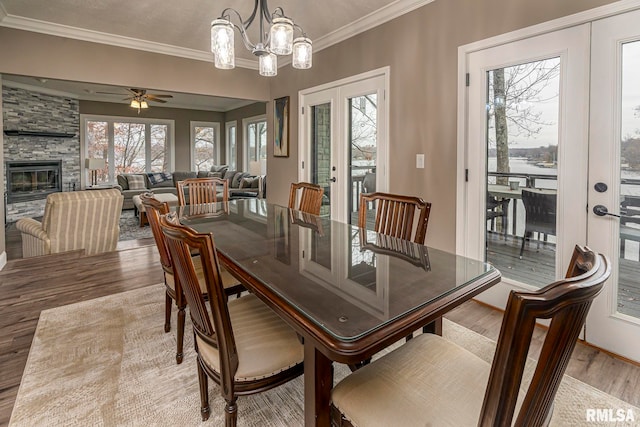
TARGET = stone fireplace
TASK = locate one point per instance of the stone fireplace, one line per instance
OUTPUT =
(41, 149)
(32, 180)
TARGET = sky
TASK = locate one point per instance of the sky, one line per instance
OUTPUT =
(630, 120)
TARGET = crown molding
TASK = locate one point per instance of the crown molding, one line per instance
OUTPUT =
(387, 13)
(33, 88)
(378, 17)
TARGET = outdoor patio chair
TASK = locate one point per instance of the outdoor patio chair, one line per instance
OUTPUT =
(540, 215)
(432, 381)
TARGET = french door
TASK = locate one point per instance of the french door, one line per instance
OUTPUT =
(552, 131)
(343, 141)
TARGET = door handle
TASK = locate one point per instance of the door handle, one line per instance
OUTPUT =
(333, 179)
(602, 210)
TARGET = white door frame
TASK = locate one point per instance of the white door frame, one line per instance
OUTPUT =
(337, 93)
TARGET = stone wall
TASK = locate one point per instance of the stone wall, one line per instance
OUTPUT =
(34, 111)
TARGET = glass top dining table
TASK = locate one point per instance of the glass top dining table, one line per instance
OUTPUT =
(349, 292)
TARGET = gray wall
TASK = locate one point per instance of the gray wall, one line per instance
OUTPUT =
(421, 50)
(420, 47)
(252, 110)
(2, 235)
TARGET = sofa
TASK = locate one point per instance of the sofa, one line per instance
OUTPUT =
(241, 184)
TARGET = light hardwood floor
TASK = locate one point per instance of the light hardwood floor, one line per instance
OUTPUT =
(29, 286)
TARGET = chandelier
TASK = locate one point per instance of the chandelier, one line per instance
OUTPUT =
(276, 39)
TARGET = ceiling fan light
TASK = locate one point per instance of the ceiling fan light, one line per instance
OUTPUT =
(143, 104)
(281, 36)
(135, 103)
(222, 44)
(302, 52)
(268, 65)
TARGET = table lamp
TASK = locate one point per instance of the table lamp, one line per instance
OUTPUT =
(94, 165)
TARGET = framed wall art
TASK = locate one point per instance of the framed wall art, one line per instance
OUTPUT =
(281, 127)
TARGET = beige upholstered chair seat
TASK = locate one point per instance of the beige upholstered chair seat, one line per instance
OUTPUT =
(428, 379)
(228, 280)
(265, 343)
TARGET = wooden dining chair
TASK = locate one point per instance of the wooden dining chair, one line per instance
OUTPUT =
(431, 380)
(195, 191)
(395, 215)
(154, 208)
(241, 343)
(310, 199)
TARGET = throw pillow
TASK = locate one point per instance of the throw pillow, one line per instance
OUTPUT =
(219, 168)
(123, 182)
(250, 182)
(215, 175)
(235, 182)
(202, 174)
(158, 177)
(136, 182)
(228, 175)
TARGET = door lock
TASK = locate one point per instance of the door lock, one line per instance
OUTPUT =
(333, 179)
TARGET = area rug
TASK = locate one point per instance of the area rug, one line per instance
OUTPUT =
(107, 362)
(130, 227)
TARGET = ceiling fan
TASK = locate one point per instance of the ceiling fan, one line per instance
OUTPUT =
(139, 97)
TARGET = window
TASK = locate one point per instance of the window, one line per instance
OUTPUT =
(232, 147)
(205, 145)
(255, 139)
(128, 145)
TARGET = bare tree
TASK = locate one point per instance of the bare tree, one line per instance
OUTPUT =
(514, 93)
(364, 125)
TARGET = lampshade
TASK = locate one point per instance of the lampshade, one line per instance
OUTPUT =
(301, 53)
(281, 36)
(222, 44)
(94, 164)
(268, 65)
(143, 104)
(135, 103)
(258, 168)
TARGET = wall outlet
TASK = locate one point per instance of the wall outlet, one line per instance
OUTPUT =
(420, 161)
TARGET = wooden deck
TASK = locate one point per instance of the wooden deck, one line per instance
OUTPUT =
(537, 268)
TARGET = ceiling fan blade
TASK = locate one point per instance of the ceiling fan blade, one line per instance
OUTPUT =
(159, 95)
(110, 93)
(154, 98)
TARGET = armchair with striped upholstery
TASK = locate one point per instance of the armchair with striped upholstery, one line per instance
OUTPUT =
(88, 220)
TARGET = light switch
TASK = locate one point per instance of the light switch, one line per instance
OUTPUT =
(420, 161)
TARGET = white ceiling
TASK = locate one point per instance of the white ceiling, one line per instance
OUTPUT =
(181, 28)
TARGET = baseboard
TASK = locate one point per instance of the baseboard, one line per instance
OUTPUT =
(3, 259)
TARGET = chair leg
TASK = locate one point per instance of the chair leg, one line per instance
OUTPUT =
(167, 313)
(231, 413)
(524, 239)
(180, 338)
(203, 381)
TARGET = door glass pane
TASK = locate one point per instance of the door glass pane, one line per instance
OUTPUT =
(159, 149)
(363, 138)
(129, 148)
(629, 259)
(321, 152)
(522, 170)
(204, 147)
(98, 146)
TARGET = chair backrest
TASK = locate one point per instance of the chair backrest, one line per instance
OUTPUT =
(384, 244)
(88, 220)
(566, 303)
(213, 327)
(540, 211)
(154, 209)
(395, 215)
(202, 190)
(310, 198)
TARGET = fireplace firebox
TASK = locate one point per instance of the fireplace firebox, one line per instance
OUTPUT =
(32, 180)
